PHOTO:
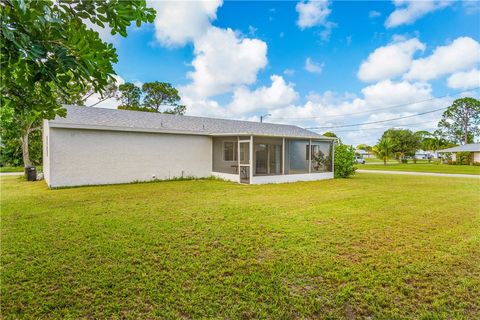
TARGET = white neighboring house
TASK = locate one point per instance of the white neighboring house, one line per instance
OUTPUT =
(364, 154)
(425, 154)
(92, 146)
(471, 147)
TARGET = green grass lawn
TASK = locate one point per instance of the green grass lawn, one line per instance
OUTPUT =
(423, 167)
(379, 246)
(11, 169)
(17, 169)
(375, 160)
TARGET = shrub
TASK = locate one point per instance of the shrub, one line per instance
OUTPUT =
(464, 157)
(344, 161)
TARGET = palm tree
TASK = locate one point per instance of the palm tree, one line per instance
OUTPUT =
(384, 149)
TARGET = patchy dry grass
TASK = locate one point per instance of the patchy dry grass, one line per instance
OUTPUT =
(380, 246)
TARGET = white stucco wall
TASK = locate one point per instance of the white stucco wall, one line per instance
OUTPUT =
(292, 177)
(226, 176)
(476, 157)
(89, 157)
(46, 151)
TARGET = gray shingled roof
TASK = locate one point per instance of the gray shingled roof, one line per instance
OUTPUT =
(471, 147)
(110, 119)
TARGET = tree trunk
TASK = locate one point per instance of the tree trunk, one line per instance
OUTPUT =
(384, 161)
(25, 149)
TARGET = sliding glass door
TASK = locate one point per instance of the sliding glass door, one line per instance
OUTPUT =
(268, 159)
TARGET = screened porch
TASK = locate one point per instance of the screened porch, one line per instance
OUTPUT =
(258, 159)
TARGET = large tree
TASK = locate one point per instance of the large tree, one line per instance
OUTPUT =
(129, 96)
(47, 51)
(384, 149)
(435, 141)
(159, 94)
(461, 121)
(404, 141)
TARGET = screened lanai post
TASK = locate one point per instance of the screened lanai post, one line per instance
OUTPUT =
(310, 156)
(332, 144)
(238, 158)
(250, 157)
(283, 156)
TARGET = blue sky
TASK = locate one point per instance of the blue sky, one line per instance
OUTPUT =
(312, 63)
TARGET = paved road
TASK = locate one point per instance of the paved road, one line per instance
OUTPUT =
(451, 175)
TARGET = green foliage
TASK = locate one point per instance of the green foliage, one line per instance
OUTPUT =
(435, 141)
(129, 95)
(11, 147)
(364, 147)
(48, 43)
(158, 94)
(47, 52)
(344, 159)
(179, 109)
(404, 142)
(461, 121)
(330, 134)
(464, 158)
(384, 149)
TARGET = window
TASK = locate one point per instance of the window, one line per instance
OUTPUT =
(229, 151)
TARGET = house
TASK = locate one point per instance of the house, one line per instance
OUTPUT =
(93, 146)
(364, 154)
(425, 154)
(473, 148)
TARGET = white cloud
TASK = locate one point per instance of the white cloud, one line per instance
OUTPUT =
(289, 72)
(312, 66)
(374, 14)
(408, 11)
(465, 80)
(224, 60)
(313, 13)
(203, 107)
(389, 61)
(331, 109)
(462, 54)
(389, 93)
(180, 22)
(279, 94)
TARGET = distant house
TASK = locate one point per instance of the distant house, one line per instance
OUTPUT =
(471, 147)
(104, 146)
(425, 154)
(364, 154)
